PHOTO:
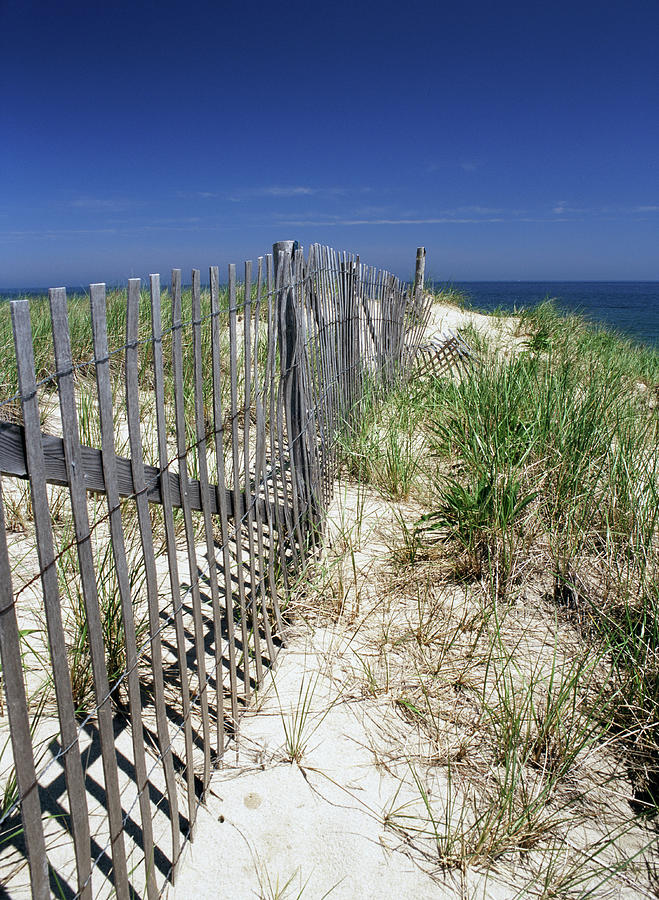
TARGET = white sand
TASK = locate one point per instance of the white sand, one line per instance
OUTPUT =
(317, 827)
(501, 332)
(276, 828)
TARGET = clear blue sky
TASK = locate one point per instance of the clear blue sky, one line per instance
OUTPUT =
(513, 140)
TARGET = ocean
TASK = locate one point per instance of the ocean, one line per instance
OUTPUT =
(631, 307)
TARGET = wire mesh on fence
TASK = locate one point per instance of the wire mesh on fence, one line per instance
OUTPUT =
(167, 469)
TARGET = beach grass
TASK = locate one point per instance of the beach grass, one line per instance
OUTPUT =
(536, 474)
(82, 338)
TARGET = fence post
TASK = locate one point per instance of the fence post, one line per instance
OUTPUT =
(282, 247)
(284, 307)
(295, 398)
(419, 275)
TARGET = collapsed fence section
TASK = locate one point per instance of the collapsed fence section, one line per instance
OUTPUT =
(167, 461)
(439, 356)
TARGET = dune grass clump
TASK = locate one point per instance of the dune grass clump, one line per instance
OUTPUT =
(557, 471)
(449, 295)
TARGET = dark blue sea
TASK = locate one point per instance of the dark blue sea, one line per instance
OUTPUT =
(631, 307)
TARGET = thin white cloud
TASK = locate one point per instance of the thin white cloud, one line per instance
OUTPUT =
(442, 220)
(106, 204)
(562, 208)
(297, 190)
(283, 191)
(438, 165)
(479, 211)
(197, 195)
(175, 225)
(387, 215)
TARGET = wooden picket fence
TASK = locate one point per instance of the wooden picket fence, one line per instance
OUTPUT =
(157, 502)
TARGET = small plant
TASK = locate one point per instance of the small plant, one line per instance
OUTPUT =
(301, 723)
(80, 665)
(410, 547)
(18, 508)
(398, 467)
(271, 889)
(481, 518)
(26, 648)
(9, 791)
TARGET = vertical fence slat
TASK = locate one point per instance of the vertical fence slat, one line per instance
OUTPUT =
(311, 414)
(78, 495)
(378, 306)
(42, 523)
(331, 354)
(182, 455)
(304, 413)
(342, 338)
(362, 340)
(19, 725)
(146, 538)
(287, 333)
(218, 425)
(260, 479)
(104, 389)
(270, 381)
(170, 541)
(237, 494)
(250, 497)
(200, 430)
(314, 372)
(285, 482)
(289, 408)
(341, 331)
(321, 380)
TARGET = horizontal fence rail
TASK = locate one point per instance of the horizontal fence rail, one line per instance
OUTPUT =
(167, 458)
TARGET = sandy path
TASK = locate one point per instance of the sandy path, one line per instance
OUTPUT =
(316, 827)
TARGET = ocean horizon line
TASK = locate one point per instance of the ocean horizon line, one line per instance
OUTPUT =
(83, 287)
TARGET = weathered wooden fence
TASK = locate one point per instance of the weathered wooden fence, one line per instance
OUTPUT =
(157, 501)
(436, 357)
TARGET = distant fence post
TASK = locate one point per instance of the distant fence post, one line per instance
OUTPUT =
(419, 275)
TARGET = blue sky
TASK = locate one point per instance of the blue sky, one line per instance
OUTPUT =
(513, 140)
